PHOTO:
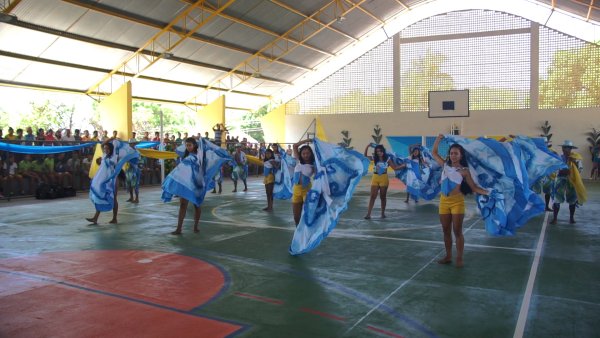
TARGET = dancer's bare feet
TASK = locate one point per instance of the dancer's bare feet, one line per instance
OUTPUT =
(267, 209)
(445, 260)
(383, 216)
(553, 221)
(113, 221)
(176, 232)
(196, 230)
(136, 201)
(129, 200)
(368, 217)
(572, 221)
(92, 220)
(459, 263)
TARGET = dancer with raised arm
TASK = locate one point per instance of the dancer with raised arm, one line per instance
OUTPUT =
(456, 183)
(380, 180)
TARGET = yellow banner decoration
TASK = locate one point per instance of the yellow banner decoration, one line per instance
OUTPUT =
(158, 154)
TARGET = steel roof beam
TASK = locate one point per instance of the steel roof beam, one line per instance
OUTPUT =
(269, 32)
(295, 11)
(252, 64)
(162, 42)
(82, 92)
(103, 70)
(109, 44)
(146, 22)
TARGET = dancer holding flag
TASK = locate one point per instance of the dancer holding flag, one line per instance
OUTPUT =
(303, 173)
(337, 171)
(103, 188)
(380, 180)
(456, 183)
(193, 177)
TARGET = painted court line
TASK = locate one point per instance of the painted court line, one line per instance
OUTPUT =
(343, 233)
(520, 329)
(323, 314)
(259, 298)
(385, 332)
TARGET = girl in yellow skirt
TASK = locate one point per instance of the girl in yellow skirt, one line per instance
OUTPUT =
(303, 173)
(270, 166)
(380, 180)
(456, 183)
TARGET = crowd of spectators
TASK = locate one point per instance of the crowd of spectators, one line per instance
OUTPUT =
(21, 174)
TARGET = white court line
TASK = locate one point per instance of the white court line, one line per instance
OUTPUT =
(398, 288)
(79, 213)
(520, 329)
(339, 233)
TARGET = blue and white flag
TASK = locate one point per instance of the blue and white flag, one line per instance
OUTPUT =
(499, 167)
(282, 189)
(338, 171)
(539, 160)
(193, 176)
(102, 187)
(421, 181)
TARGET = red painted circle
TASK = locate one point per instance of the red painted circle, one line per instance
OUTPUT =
(109, 293)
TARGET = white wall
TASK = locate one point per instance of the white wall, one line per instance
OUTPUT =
(570, 124)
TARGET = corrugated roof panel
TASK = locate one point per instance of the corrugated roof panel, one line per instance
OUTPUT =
(24, 41)
(82, 53)
(113, 29)
(50, 13)
(268, 15)
(239, 100)
(165, 91)
(214, 55)
(10, 68)
(383, 9)
(57, 76)
(192, 74)
(244, 36)
(279, 71)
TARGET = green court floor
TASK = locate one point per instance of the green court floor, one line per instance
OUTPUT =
(375, 278)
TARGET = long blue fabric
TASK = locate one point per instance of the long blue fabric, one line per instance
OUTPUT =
(338, 171)
(103, 184)
(283, 177)
(193, 176)
(503, 168)
(421, 182)
(42, 150)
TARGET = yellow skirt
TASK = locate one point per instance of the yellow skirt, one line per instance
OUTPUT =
(453, 204)
(380, 180)
(269, 179)
(299, 193)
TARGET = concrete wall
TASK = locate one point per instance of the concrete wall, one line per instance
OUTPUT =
(570, 124)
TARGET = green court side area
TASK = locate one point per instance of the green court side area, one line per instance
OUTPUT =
(60, 276)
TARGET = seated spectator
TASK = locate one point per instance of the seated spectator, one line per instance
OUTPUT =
(86, 136)
(25, 169)
(77, 135)
(29, 137)
(10, 173)
(60, 167)
(11, 135)
(74, 167)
